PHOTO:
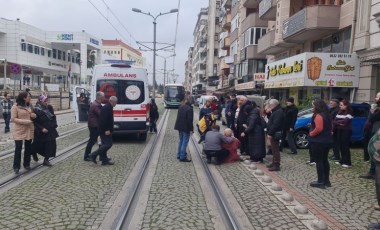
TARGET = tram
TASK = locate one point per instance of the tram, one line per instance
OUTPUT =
(173, 95)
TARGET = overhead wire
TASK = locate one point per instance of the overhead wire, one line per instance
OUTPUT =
(176, 31)
(107, 20)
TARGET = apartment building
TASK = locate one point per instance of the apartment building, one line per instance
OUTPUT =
(309, 47)
(198, 54)
(188, 71)
(118, 50)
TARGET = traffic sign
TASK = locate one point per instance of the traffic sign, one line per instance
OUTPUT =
(15, 68)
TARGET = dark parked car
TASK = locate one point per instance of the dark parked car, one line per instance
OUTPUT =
(301, 129)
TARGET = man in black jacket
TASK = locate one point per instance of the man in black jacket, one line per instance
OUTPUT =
(106, 123)
(274, 132)
(291, 113)
(240, 122)
(184, 125)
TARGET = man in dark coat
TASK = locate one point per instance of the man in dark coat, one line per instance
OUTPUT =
(153, 116)
(334, 109)
(93, 121)
(274, 132)
(291, 113)
(240, 122)
(184, 125)
(106, 123)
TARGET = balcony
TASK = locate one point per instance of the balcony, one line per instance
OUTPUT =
(267, 46)
(311, 22)
(226, 43)
(252, 20)
(226, 22)
(224, 63)
(268, 9)
(251, 3)
(250, 52)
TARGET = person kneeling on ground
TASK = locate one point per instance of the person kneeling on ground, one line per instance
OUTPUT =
(232, 148)
(213, 145)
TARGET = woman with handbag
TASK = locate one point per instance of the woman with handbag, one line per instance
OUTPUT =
(45, 134)
(320, 139)
(22, 130)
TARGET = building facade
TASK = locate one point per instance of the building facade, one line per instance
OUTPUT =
(44, 58)
(118, 50)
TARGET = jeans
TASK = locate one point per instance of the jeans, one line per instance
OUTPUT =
(182, 145)
(94, 133)
(7, 119)
(291, 143)
(106, 145)
(27, 151)
(321, 152)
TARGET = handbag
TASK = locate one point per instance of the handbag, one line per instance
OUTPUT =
(277, 135)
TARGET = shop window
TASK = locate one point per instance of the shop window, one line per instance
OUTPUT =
(23, 47)
(42, 51)
(59, 55)
(30, 48)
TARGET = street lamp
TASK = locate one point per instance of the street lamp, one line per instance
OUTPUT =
(173, 55)
(154, 41)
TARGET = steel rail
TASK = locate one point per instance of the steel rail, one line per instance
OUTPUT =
(228, 217)
(138, 181)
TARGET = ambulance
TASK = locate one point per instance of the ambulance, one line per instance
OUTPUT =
(130, 85)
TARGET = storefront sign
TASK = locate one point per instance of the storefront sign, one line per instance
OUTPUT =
(314, 69)
(65, 37)
(94, 41)
(245, 86)
(259, 77)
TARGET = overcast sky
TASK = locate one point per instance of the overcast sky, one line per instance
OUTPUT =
(78, 15)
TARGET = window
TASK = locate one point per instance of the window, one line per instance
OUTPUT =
(54, 53)
(68, 57)
(105, 52)
(235, 23)
(63, 55)
(49, 53)
(42, 51)
(119, 88)
(23, 47)
(336, 43)
(30, 48)
(59, 55)
(252, 36)
(37, 50)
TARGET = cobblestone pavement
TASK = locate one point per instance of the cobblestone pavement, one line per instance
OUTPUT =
(176, 200)
(350, 200)
(65, 122)
(6, 165)
(72, 194)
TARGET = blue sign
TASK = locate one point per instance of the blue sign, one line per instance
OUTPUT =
(94, 41)
(65, 37)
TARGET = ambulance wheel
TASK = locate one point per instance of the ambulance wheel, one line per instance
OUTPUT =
(143, 136)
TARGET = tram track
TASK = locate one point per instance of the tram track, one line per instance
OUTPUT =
(125, 215)
(9, 152)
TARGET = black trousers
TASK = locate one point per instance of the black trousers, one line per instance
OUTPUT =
(335, 146)
(106, 145)
(218, 154)
(27, 153)
(321, 152)
(94, 133)
(153, 126)
(344, 137)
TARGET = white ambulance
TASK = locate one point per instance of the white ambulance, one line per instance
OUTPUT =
(130, 85)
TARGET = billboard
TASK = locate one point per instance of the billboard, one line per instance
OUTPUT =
(314, 69)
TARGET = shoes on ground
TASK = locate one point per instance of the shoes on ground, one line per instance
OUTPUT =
(312, 163)
(337, 162)
(27, 167)
(317, 184)
(346, 166)
(334, 158)
(47, 163)
(270, 165)
(274, 168)
(376, 207)
(35, 157)
(109, 162)
(93, 158)
(185, 160)
(16, 170)
(367, 176)
(294, 153)
(208, 161)
(87, 159)
(328, 184)
(374, 226)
